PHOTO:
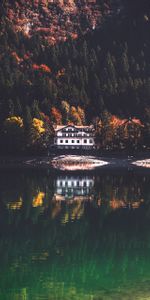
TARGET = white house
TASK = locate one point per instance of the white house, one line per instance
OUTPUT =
(74, 137)
(73, 187)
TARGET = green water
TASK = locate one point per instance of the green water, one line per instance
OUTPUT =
(73, 237)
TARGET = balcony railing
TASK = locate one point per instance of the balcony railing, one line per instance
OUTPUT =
(77, 135)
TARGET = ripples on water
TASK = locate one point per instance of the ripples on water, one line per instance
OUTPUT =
(74, 236)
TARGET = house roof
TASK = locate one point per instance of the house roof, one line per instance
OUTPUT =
(59, 127)
(117, 122)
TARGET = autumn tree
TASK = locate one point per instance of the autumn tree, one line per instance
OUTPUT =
(65, 111)
(74, 116)
(81, 114)
(56, 116)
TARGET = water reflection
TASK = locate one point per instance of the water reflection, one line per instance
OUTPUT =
(74, 237)
(67, 196)
(73, 188)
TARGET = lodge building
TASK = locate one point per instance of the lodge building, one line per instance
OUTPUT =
(74, 137)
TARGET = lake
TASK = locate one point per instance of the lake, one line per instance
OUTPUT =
(74, 236)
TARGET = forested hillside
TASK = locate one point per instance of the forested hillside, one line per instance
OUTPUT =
(100, 72)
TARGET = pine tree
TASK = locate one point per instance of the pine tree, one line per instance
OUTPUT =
(35, 109)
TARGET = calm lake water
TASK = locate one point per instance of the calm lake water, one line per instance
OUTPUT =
(74, 236)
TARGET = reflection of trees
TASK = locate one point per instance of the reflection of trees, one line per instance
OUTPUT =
(52, 255)
(33, 195)
(120, 191)
(29, 191)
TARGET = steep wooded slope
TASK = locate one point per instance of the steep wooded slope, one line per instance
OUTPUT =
(56, 20)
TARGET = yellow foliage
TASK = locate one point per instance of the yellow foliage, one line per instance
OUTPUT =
(81, 114)
(75, 117)
(38, 125)
(65, 218)
(66, 107)
(38, 200)
(15, 120)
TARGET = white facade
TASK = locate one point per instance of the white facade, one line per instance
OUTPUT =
(74, 137)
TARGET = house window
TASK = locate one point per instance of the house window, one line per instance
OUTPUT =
(61, 141)
(91, 141)
(85, 141)
(72, 141)
(66, 141)
(78, 141)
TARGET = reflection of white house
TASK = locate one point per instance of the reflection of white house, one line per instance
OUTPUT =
(69, 187)
(74, 137)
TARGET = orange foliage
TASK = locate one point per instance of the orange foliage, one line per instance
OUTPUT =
(42, 68)
(45, 68)
(56, 114)
(74, 36)
(137, 122)
(17, 58)
(35, 67)
(116, 204)
(117, 122)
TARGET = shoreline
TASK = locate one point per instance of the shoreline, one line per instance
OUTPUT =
(115, 161)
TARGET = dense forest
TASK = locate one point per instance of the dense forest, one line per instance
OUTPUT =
(102, 77)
